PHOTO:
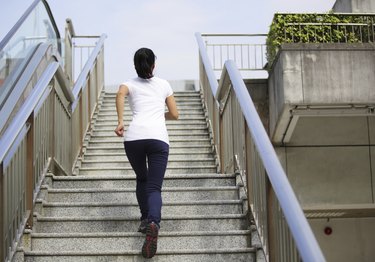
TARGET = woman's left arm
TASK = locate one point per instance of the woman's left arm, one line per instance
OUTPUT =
(120, 98)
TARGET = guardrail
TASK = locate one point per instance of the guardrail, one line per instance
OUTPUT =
(46, 133)
(274, 206)
(319, 28)
(43, 124)
(247, 50)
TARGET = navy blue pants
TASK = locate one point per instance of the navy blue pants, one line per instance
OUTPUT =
(148, 159)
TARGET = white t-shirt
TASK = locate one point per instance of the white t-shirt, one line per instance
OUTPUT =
(147, 102)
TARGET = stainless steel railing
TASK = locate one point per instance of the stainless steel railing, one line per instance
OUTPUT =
(247, 50)
(43, 123)
(47, 132)
(243, 143)
(319, 28)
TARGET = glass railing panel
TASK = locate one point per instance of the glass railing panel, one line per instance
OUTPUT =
(16, 50)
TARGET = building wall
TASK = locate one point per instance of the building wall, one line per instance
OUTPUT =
(322, 124)
(354, 6)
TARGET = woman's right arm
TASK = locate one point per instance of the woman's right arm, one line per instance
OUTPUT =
(120, 98)
(172, 113)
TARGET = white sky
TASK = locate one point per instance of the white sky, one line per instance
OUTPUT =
(166, 26)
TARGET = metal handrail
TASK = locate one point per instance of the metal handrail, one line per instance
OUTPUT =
(305, 240)
(10, 135)
(12, 131)
(57, 154)
(80, 83)
(207, 63)
(248, 51)
(300, 229)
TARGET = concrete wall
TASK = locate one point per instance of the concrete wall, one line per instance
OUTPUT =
(352, 239)
(321, 98)
(320, 74)
(354, 6)
(258, 90)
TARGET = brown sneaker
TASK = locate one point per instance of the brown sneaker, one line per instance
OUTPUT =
(151, 242)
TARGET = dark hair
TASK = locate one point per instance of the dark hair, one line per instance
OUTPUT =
(144, 60)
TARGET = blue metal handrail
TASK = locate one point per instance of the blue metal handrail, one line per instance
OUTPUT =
(305, 240)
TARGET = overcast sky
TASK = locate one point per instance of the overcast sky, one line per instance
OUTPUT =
(166, 26)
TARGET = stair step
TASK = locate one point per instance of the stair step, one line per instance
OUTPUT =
(172, 149)
(129, 171)
(207, 255)
(129, 117)
(198, 122)
(170, 125)
(182, 113)
(124, 163)
(122, 156)
(172, 137)
(181, 109)
(193, 96)
(172, 128)
(224, 222)
(114, 241)
(179, 100)
(119, 141)
(200, 133)
(128, 194)
(95, 209)
(173, 140)
(177, 95)
(103, 182)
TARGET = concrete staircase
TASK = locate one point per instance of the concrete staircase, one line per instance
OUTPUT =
(93, 216)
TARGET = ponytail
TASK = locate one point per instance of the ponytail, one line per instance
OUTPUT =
(144, 60)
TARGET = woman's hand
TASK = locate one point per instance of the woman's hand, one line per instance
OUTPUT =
(120, 130)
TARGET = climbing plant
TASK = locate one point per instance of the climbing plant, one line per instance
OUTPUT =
(318, 28)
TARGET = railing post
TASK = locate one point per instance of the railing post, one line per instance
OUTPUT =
(220, 140)
(69, 33)
(30, 170)
(2, 214)
(89, 86)
(52, 128)
(81, 122)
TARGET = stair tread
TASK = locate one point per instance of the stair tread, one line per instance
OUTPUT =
(129, 168)
(137, 234)
(112, 218)
(200, 159)
(120, 145)
(165, 203)
(136, 252)
(165, 189)
(123, 177)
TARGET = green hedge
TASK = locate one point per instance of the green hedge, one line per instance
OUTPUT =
(322, 28)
